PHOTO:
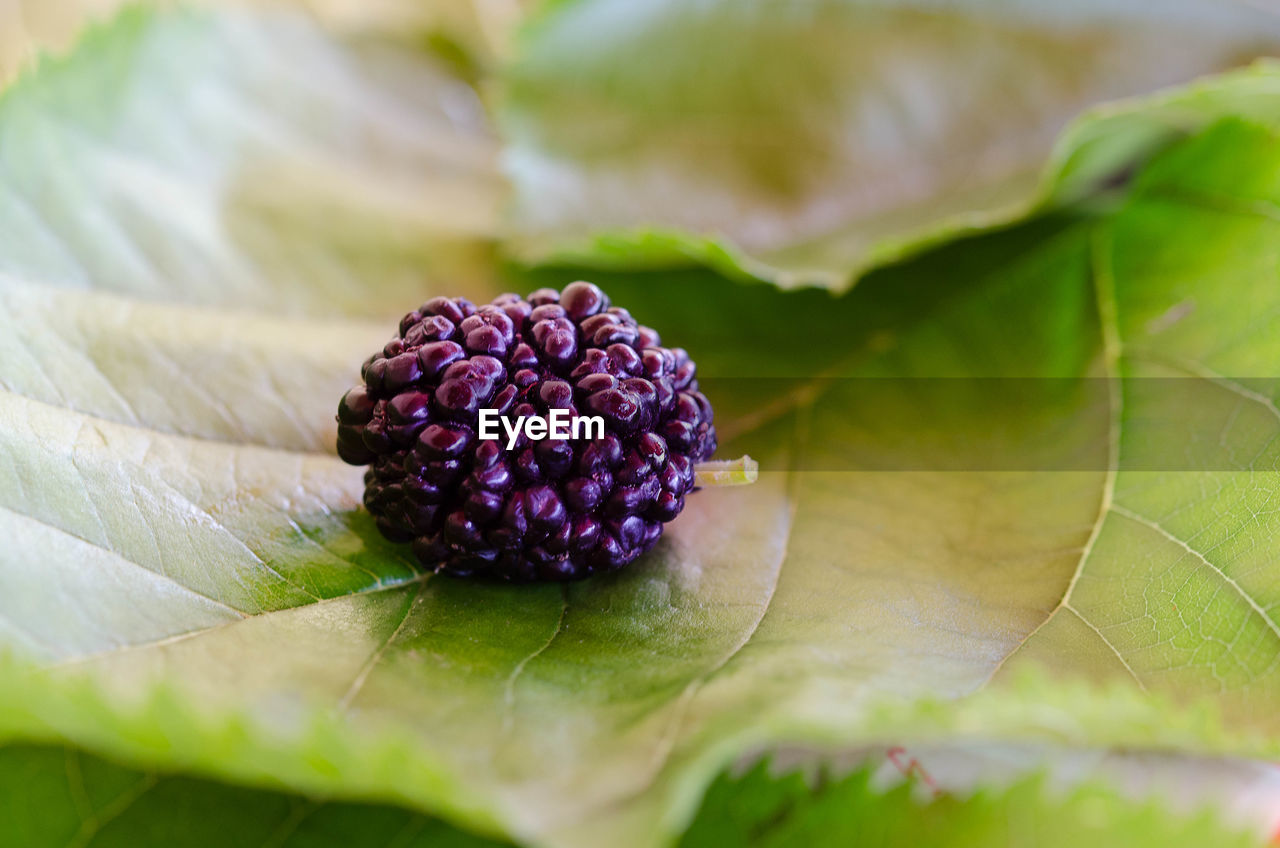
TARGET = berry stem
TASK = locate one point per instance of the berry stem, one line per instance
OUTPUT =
(742, 471)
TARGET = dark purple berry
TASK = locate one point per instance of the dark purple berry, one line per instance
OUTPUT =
(543, 509)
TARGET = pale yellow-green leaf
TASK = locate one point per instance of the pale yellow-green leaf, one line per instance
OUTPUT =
(801, 142)
(246, 162)
(480, 29)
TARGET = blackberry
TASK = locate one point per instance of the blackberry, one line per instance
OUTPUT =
(545, 509)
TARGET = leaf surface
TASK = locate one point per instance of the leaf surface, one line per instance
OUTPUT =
(759, 809)
(473, 32)
(245, 162)
(55, 796)
(805, 142)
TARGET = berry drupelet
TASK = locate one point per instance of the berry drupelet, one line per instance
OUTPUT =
(547, 509)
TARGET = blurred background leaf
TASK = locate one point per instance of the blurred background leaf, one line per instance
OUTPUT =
(812, 139)
(54, 796)
(476, 33)
(760, 808)
(250, 161)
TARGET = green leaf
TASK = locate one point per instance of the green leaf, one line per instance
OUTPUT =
(758, 809)
(245, 163)
(953, 455)
(55, 796)
(52, 797)
(803, 142)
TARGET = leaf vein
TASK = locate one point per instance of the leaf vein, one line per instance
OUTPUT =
(1227, 578)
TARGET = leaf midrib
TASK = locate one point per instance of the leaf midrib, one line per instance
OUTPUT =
(389, 586)
(1100, 274)
(1114, 351)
